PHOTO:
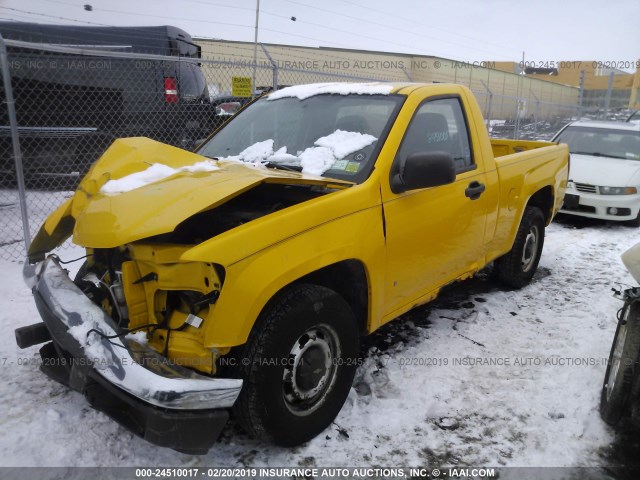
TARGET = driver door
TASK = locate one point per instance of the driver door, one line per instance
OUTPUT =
(434, 235)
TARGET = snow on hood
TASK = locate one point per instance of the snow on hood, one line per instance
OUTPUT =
(154, 173)
(306, 91)
(102, 222)
(604, 171)
(313, 160)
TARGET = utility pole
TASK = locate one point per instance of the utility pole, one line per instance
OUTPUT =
(255, 50)
(581, 98)
(516, 131)
(607, 99)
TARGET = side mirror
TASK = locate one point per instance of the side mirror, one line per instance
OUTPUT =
(424, 170)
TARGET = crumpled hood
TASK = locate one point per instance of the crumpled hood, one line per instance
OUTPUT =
(604, 171)
(111, 220)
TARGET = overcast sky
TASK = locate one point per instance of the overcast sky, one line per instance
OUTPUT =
(546, 30)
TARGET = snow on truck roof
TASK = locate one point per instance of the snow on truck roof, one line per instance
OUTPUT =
(352, 88)
(309, 90)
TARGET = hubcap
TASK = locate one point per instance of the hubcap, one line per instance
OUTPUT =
(616, 360)
(311, 369)
(530, 250)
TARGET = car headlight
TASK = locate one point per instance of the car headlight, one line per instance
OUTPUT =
(618, 190)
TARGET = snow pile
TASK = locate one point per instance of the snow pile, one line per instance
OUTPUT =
(256, 153)
(317, 160)
(261, 153)
(281, 156)
(306, 91)
(329, 149)
(314, 160)
(344, 143)
(154, 173)
(138, 337)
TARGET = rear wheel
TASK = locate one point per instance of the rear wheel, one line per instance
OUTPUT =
(298, 365)
(518, 266)
(622, 367)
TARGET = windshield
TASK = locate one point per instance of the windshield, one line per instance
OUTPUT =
(602, 142)
(336, 136)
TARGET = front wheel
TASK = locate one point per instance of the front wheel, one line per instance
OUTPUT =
(634, 223)
(622, 367)
(517, 267)
(298, 365)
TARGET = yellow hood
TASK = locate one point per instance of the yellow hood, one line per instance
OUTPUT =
(110, 220)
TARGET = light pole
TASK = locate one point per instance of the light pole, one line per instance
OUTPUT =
(255, 50)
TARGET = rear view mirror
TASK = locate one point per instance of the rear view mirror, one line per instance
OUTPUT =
(424, 170)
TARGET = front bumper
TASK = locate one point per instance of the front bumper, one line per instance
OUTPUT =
(164, 403)
(598, 206)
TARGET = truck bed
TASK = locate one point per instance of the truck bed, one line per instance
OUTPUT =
(502, 147)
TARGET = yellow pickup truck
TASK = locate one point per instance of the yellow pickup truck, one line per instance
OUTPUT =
(239, 279)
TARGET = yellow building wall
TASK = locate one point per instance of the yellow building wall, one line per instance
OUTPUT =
(595, 76)
(634, 102)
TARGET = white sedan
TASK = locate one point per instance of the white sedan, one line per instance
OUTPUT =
(604, 171)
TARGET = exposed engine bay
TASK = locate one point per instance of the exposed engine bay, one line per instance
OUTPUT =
(149, 291)
(257, 202)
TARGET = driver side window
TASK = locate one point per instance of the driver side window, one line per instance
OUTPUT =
(439, 125)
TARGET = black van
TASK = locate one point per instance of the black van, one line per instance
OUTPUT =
(71, 107)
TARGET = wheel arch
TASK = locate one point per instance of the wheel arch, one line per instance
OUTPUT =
(333, 255)
(349, 279)
(544, 200)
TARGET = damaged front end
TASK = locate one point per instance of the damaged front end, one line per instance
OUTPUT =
(136, 331)
(123, 375)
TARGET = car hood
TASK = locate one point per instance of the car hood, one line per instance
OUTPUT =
(604, 171)
(110, 220)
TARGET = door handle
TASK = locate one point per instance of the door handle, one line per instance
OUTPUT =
(474, 190)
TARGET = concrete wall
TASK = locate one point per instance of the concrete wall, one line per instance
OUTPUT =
(296, 65)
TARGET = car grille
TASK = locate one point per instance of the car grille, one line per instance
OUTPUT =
(586, 188)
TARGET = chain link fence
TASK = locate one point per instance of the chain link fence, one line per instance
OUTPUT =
(70, 103)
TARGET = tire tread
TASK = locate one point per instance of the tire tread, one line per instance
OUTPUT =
(508, 268)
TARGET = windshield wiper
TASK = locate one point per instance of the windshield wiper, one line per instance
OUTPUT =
(282, 166)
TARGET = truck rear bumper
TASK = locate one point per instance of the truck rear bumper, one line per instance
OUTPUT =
(163, 403)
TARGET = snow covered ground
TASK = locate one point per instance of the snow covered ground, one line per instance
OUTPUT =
(482, 376)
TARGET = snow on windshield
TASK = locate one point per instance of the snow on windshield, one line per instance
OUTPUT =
(154, 173)
(345, 143)
(313, 160)
(306, 91)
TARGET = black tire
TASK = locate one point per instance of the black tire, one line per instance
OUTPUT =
(634, 223)
(302, 324)
(623, 367)
(517, 267)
